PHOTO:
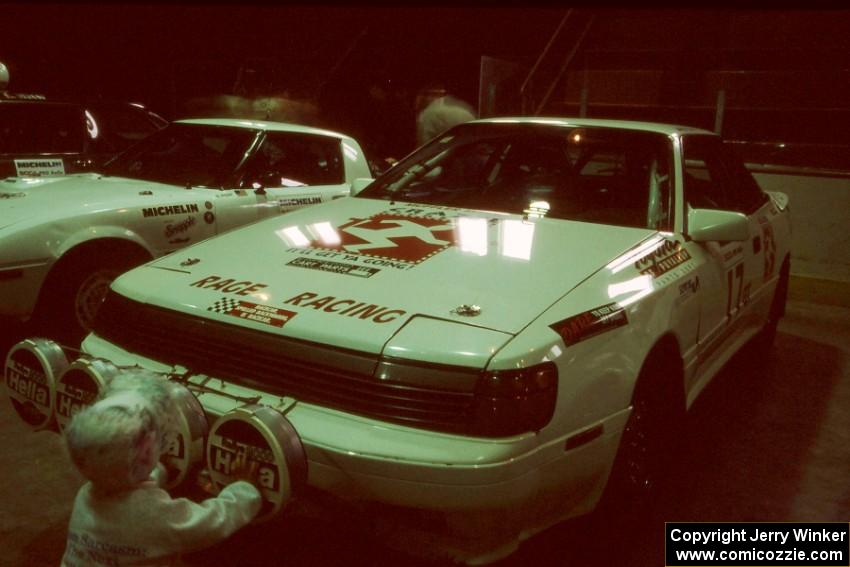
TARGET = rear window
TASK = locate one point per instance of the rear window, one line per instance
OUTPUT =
(41, 128)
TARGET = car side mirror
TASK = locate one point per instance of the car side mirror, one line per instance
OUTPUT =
(707, 225)
(359, 184)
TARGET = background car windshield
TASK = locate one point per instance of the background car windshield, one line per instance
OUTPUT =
(294, 159)
(600, 175)
(41, 128)
(185, 154)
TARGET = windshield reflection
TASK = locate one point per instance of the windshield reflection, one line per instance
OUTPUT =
(590, 174)
(185, 154)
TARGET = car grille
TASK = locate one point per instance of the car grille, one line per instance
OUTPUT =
(309, 372)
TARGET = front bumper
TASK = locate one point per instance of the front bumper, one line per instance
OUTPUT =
(522, 482)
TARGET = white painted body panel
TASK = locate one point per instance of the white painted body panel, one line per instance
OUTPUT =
(524, 276)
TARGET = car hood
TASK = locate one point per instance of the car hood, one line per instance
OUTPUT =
(24, 198)
(353, 272)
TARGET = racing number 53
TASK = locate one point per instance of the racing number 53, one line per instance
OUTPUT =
(733, 276)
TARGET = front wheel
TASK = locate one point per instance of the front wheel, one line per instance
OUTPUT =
(648, 443)
(72, 297)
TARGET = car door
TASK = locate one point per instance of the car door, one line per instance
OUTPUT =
(287, 170)
(745, 196)
(730, 268)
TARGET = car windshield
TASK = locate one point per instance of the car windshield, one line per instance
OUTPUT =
(185, 154)
(42, 127)
(591, 174)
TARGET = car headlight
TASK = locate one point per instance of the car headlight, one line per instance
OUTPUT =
(510, 402)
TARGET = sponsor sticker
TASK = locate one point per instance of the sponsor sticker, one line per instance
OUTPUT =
(590, 323)
(333, 267)
(169, 210)
(769, 250)
(397, 239)
(39, 167)
(295, 202)
(242, 309)
(689, 288)
(662, 259)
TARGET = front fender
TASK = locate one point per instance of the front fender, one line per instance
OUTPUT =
(91, 233)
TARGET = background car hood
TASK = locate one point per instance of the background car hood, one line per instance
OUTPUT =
(488, 270)
(22, 198)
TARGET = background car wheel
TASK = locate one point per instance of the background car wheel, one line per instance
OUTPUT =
(649, 441)
(73, 293)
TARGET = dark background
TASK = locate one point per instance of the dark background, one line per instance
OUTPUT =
(358, 68)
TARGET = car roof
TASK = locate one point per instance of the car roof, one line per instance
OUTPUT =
(661, 128)
(263, 125)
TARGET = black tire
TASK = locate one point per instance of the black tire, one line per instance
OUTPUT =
(762, 343)
(650, 439)
(73, 293)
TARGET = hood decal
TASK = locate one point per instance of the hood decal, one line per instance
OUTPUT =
(252, 311)
(347, 307)
(590, 323)
(391, 239)
(228, 285)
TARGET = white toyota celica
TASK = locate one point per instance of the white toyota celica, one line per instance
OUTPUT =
(62, 242)
(496, 331)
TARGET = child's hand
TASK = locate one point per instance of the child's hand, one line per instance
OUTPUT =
(244, 469)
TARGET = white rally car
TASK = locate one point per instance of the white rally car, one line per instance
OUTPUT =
(504, 325)
(62, 243)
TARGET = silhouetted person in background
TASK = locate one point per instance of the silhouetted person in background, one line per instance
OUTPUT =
(437, 111)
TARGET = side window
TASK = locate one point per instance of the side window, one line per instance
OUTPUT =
(287, 159)
(706, 181)
(115, 128)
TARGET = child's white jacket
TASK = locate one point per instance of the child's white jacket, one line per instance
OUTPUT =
(146, 526)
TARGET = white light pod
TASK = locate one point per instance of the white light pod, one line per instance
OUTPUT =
(82, 384)
(266, 437)
(183, 439)
(32, 366)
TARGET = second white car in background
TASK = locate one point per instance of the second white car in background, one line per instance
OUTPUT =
(62, 243)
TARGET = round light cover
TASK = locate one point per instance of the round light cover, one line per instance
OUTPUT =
(183, 438)
(266, 437)
(82, 384)
(32, 366)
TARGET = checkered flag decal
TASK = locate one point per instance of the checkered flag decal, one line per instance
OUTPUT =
(224, 305)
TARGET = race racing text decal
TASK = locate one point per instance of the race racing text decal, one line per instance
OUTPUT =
(346, 307)
(228, 285)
